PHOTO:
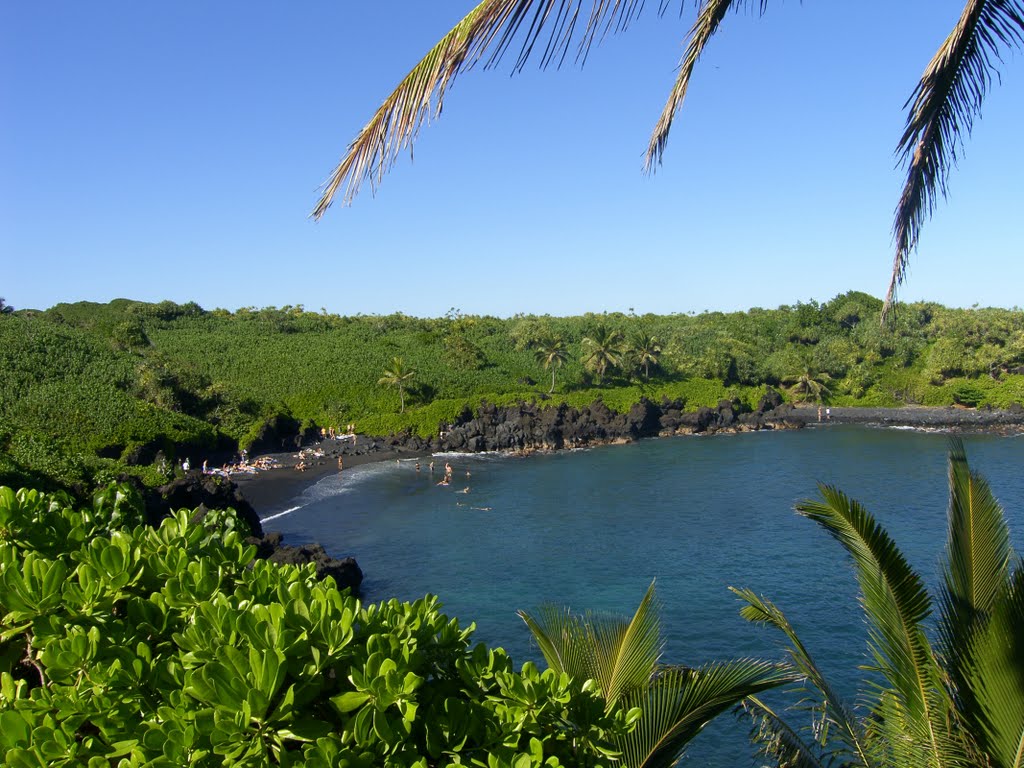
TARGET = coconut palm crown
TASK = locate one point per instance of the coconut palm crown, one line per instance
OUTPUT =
(645, 351)
(551, 354)
(954, 699)
(398, 375)
(604, 350)
(809, 385)
(941, 108)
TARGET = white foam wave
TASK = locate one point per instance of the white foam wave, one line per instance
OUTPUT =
(478, 456)
(282, 514)
(910, 428)
(344, 482)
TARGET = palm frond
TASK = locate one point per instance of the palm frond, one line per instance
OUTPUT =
(485, 34)
(626, 653)
(831, 706)
(978, 557)
(710, 16)
(942, 109)
(563, 639)
(996, 678)
(779, 741)
(896, 605)
(679, 702)
(619, 654)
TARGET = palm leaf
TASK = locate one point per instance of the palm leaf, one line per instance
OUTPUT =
(708, 18)
(996, 677)
(493, 25)
(626, 653)
(619, 654)
(563, 639)
(978, 556)
(779, 741)
(896, 605)
(831, 707)
(942, 109)
(679, 702)
(978, 550)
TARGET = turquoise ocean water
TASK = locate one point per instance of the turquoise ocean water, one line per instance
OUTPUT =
(590, 529)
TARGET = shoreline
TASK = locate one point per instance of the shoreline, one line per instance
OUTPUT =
(269, 489)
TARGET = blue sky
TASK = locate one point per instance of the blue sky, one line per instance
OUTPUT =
(174, 150)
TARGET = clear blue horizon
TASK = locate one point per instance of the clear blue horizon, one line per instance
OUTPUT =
(174, 151)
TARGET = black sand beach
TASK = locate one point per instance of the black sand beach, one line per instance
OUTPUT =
(270, 489)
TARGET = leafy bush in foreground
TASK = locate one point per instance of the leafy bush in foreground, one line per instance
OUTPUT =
(126, 645)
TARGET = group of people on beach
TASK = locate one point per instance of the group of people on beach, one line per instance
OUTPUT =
(306, 457)
(333, 433)
(242, 466)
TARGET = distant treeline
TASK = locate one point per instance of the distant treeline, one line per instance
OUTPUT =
(94, 391)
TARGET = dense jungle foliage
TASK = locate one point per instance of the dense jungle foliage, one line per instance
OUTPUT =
(92, 391)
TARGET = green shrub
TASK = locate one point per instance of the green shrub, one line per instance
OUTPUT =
(174, 647)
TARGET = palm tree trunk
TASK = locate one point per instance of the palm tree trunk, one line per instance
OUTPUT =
(401, 397)
(552, 381)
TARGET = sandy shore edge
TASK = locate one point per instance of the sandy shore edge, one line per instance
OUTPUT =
(270, 490)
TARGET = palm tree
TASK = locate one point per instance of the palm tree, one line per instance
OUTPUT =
(604, 351)
(624, 657)
(808, 385)
(551, 354)
(646, 351)
(957, 702)
(942, 106)
(397, 376)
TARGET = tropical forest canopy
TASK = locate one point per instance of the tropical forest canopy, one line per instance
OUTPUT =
(92, 390)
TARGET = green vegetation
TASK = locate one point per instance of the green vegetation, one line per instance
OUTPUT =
(603, 351)
(397, 376)
(808, 386)
(624, 657)
(92, 392)
(126, 645)
(958, 700)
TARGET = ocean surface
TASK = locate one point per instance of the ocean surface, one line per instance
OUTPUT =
(591, 529)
